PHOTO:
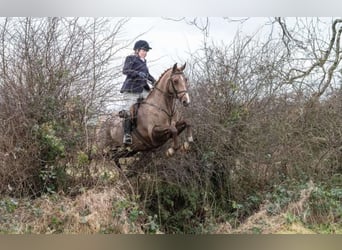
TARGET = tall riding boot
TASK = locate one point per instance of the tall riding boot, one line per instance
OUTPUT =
(127, 125)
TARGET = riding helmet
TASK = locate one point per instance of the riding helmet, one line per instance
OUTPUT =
(142, 44)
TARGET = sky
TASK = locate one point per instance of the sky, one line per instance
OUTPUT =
(174, 41)
(170, 8)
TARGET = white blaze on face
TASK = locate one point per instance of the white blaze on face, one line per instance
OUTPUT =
(187, 97)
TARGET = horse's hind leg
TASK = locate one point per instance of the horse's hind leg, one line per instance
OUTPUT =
(117, 162)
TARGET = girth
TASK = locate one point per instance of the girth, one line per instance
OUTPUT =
(134, 117)
(160, 109)
(136, 132)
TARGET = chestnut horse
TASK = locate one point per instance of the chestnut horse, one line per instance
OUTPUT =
(157, 120)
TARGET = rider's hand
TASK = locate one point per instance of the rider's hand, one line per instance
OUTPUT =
(142, 74)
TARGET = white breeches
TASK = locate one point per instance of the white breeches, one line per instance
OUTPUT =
(128, 99)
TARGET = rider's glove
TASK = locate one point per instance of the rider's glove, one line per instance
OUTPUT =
(142, 74)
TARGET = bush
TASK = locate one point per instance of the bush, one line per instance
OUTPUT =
(49, 90)
(251, 144)
(324, 205)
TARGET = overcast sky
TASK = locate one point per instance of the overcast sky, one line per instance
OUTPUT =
(174, 41)
(170, 8)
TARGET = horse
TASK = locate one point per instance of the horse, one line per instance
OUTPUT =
(156, 121)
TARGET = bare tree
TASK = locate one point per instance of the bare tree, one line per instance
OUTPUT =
(314, 52)
(56, 74)
(253, 126)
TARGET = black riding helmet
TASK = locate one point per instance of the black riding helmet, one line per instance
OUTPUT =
(141, 44)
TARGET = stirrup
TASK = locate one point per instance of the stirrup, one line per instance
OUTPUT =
(127, 139)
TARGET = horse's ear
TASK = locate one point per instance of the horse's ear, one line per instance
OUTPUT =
(174, 68)
(183, 67)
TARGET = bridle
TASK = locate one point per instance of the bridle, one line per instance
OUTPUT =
(175, 94)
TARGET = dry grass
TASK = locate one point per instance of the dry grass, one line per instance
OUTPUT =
(88, 213)
(263, 222)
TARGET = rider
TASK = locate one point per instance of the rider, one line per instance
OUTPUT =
(135, 86)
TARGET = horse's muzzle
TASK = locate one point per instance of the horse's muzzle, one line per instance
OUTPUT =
(185, 100)
(186, 103)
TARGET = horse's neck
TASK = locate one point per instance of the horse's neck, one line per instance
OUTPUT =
(160, 95)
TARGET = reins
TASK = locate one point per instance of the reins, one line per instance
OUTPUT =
(174, 94)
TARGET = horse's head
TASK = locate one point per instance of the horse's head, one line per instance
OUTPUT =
(178, 85)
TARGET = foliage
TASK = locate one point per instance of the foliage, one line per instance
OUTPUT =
(324, 206)
(264, 127)
(257, 137)
(49, 90)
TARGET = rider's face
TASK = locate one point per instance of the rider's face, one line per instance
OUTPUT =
(142, 53)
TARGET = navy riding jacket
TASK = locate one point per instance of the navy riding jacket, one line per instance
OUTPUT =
(134, 83)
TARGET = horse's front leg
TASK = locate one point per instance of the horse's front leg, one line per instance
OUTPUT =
(181, 125)
(163, 133)
(175, 138)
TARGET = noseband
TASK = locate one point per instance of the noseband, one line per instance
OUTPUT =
(175, 92)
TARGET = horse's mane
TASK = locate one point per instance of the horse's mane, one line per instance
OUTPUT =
(161, 76)
(159, 79)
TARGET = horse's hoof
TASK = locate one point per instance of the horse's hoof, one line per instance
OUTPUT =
(190, 139)
(186, 146)
(170, 152)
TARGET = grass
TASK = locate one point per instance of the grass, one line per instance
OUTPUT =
(112, 209)
(90, 212)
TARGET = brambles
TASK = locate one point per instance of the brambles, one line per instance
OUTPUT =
(266, 140)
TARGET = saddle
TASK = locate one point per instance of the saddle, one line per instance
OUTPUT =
(133, 112)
